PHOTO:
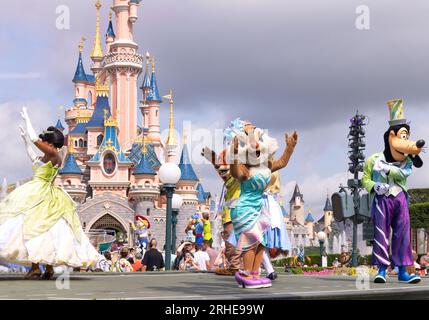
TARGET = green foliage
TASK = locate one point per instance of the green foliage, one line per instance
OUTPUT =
(315, 259)
(418, 195)
(419, 215)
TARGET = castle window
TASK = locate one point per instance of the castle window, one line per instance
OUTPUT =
(75, 143)
(100, 140)
(85, 144)
(80, 143)
(68, 182)
(148, 211)
(89, 98)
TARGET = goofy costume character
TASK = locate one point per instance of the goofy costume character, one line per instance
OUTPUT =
(385, 174)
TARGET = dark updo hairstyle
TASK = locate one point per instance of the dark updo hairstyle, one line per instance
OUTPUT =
(53, 136)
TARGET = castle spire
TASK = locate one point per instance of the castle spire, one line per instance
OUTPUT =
(97, 50)
(154, 92)
(110, 32)
(171, 139)
(146, 80)
(80, 75)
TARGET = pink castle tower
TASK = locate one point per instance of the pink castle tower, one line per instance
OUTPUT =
(123, 64)
(171, 141)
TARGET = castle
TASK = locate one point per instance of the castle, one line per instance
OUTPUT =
(111, 168)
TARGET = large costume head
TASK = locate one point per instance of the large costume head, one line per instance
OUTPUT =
(142, 222)
(397, 146)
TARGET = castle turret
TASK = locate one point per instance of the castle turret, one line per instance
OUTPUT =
(80, 80)
(59, 125)
(123, 65)
(328, 215)
(110, 34)
(309, 223)
(171, 141)
(153, 101)
(297, 206)
(188, 179)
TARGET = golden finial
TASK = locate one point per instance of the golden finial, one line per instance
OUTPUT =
(97, 51)
(185, 136)
(82, 40)
(171, 139)
(110, 15)
(144, 146)
(153, 64)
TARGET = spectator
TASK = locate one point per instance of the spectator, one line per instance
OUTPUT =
(137, 265)
(105, 263)
(153, 258)
(221, 262)
(123, 265)
(130, 257)
(202, 259)
(207, 247)
(188, 263)
(424, 262)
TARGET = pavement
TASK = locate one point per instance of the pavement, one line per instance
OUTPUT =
(201, 286)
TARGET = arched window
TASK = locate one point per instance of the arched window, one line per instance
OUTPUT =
(99, 140)
(80, 143)
(75, 143)
(85, 144)
(68, 182)
(148, 211)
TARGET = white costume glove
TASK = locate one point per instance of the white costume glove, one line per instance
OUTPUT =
(30, 131)
(381, 167)
(33, 156)
(381, 188)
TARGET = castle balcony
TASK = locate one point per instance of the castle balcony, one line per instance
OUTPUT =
(123, 59)
(142, 192)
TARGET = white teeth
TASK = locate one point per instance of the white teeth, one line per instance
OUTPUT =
(405, 154)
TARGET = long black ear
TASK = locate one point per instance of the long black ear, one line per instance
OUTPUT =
(417, 161)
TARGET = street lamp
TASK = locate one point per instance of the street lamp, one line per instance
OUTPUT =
(169, 174)
(322, 237)
(177, 202)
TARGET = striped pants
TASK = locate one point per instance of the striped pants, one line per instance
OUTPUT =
(391, 213)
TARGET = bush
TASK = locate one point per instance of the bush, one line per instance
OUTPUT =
(315, 259)
(419, 215)
(418, 195)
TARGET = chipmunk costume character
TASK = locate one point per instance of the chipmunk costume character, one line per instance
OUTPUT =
(385, 174)
(253, 165)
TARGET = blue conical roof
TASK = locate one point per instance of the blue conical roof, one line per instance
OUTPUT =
(70, 166)
(80, 75)
(110, 32)
(59, 125)
(146, 81)
(154, 92)
(185, 166)
(97, 119)
(144, 167)
(309, 217)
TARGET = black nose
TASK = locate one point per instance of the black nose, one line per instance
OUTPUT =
(420, 143)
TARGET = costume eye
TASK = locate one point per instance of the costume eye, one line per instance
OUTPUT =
(404, 136)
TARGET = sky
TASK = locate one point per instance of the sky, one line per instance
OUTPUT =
(283, 64)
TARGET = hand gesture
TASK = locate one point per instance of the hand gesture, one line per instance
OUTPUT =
(381, 188)
(292, 140)
(209, 154)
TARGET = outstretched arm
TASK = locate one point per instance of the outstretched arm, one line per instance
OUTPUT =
(34, 138)
(210, 155)
(282, 162)
(28, 144)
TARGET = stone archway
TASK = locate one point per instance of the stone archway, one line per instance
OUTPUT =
(109, 221)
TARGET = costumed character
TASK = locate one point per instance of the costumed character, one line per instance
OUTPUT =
(38, 220)
(141, 230)
(252, 151)
(207, 230)
(198, 228)
(190, 233)
(385, 174)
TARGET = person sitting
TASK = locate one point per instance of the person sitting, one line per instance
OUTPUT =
(153, 259)
(188, 263)
(202, 258)
(424, 263)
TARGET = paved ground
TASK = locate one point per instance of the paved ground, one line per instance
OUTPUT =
(196, 286)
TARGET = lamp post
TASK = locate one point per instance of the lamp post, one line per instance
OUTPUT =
(169, 174)
(322, 237)
(177, 202)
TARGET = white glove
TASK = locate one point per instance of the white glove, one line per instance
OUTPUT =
(381, 188)
(32, 155)
(31, 133)
(381, 167)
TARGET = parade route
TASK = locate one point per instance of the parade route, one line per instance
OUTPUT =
(198, 286)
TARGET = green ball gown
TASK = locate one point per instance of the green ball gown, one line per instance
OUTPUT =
(39, 224)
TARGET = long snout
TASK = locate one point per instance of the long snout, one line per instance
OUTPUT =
(408, 146)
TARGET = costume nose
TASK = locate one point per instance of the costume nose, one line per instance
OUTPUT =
(420, 143)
